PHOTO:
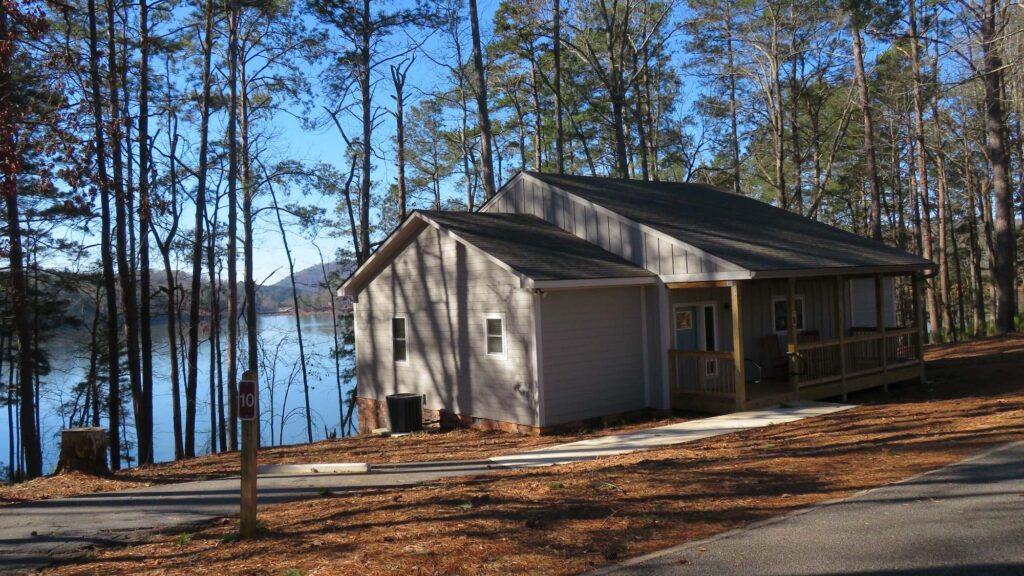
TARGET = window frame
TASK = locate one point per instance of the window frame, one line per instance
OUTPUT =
(404, 339)
(801, 307)
(487, 336)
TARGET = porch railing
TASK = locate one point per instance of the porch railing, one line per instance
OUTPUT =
(865, 353)
(901, 347)
(702, 372)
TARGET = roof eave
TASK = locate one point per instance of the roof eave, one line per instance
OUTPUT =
(886, 269)
(577, 283)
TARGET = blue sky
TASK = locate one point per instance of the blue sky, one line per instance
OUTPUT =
(325, 145)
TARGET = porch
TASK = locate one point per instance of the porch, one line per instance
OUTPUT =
(815, 359)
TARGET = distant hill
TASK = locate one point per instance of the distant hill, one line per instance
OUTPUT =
(277, 297)
(310, 279)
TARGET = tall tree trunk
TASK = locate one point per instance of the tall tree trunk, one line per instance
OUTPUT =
(129, 301)
(860, 78)
(931, 298)
(109, 279)
(13, 442)
(639, 70)
(480, 82)
(248, 191)
(995, 131)
(733, 120)
(943, 204)
(366, 95)
(20, 306)
(146, 337)
(196, 293)
(21, 312)
(172, 291)
(297, 313)
(974, 245)
(398, 78)
(216, 355)
(619, 133)
(336, 351)
(538, 118)
(556, 46)
(232, 231)
(958, 269)
(94, 358)
(794, 121)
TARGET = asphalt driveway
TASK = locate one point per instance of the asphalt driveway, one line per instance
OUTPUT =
(967, 518)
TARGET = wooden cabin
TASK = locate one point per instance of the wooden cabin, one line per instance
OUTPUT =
(568, 298)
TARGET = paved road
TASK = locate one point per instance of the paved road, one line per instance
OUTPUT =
(38, 533)
(963, 519)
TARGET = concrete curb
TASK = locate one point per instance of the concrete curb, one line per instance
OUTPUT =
(293, 469)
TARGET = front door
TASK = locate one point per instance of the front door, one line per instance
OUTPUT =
(696, 327)
(686, 327)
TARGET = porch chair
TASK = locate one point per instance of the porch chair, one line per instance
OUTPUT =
(778, 363)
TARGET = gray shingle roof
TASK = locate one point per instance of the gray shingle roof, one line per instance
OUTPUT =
(535, 248)
(747, 232)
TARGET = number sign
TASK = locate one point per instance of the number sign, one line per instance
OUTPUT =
(247, 400)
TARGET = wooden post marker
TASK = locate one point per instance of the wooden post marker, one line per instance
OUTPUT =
(248, 413)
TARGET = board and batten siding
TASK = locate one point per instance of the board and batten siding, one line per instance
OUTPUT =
(593, 358)
(655, 252)
(445, 290)
(758, 321)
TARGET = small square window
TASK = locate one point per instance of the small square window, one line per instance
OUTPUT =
(780, 312)
(710, 367)
(494, 327)
(399, 343)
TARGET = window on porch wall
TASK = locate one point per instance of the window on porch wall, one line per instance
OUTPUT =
(780, 313)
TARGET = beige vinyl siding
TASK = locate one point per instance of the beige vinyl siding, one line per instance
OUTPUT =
(655, 347)
(861, 302)
(593, 357)
(445, 290)
(654, 252)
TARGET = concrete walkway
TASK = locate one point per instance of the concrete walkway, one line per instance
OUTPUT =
(963, 519)
(38, 533)
(670, 435)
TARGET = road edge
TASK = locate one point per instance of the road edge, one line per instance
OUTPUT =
(636, 560)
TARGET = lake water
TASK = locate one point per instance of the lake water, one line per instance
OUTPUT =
(280, 387)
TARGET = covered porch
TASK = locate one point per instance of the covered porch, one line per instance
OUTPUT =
(744, 344)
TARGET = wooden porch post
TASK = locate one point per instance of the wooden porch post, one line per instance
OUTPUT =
(919, 321)
(840, 323)
(883, 351)
(737, 346)
(794, 379)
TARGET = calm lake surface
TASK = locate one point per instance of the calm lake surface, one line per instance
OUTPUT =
(280, 387)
